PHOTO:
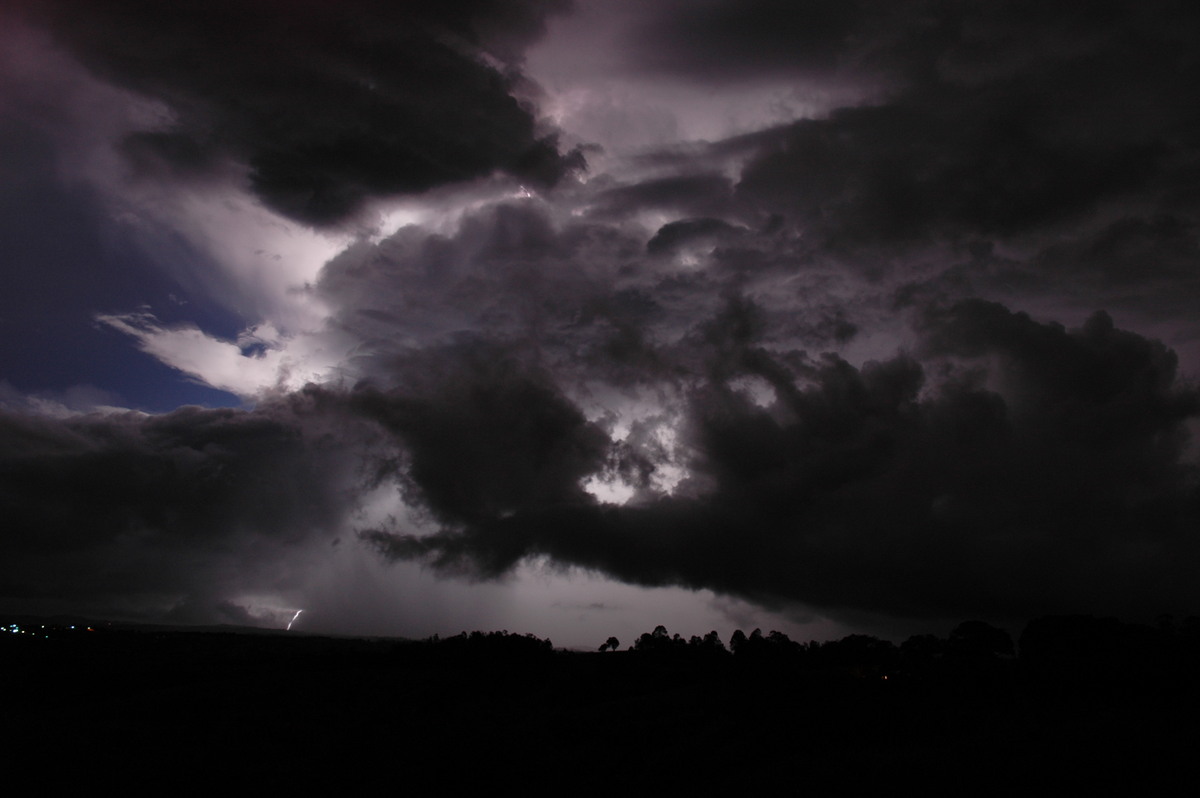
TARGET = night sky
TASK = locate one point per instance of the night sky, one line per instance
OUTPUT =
(579, 318)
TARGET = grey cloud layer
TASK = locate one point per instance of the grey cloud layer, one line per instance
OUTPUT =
(827, 315)
(126, 512)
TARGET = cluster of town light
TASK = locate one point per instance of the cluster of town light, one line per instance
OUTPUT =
(13, 628)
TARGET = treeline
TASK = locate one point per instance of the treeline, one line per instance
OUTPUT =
(971, 641)
(1075, 653)
(1054, 659)
(502, 645)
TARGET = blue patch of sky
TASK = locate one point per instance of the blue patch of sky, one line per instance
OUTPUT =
(60, 265)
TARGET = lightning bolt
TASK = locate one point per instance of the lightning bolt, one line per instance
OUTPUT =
(293, 620)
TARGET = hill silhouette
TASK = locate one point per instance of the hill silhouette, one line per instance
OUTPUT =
(1077, 700)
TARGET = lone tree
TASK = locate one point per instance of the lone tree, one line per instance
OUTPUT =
(611, 644)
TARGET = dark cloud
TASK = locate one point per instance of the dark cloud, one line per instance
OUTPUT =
(1148, 266)
(688, 195)
(1107, 396)
(1006, 467)
(327, 104)
(905, 44)
(510, 272)
(718, 41)
(673, 236)
(1133, 251)
(594, 299)
(484, 435)
(992, 119)
(1041, 470)
(128, 513)
(911, 173)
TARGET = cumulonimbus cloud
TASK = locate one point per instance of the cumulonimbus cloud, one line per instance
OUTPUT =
(853, 360)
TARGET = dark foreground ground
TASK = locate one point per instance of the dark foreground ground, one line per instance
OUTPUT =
(1081, 704)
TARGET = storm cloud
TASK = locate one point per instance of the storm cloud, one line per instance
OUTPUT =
(124, 512)
(1041, 471)
(325, 106)
(863, 309)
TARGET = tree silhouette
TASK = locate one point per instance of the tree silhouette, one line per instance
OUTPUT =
(979, 640)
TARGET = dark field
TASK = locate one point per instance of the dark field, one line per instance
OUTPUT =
(1080, 702)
